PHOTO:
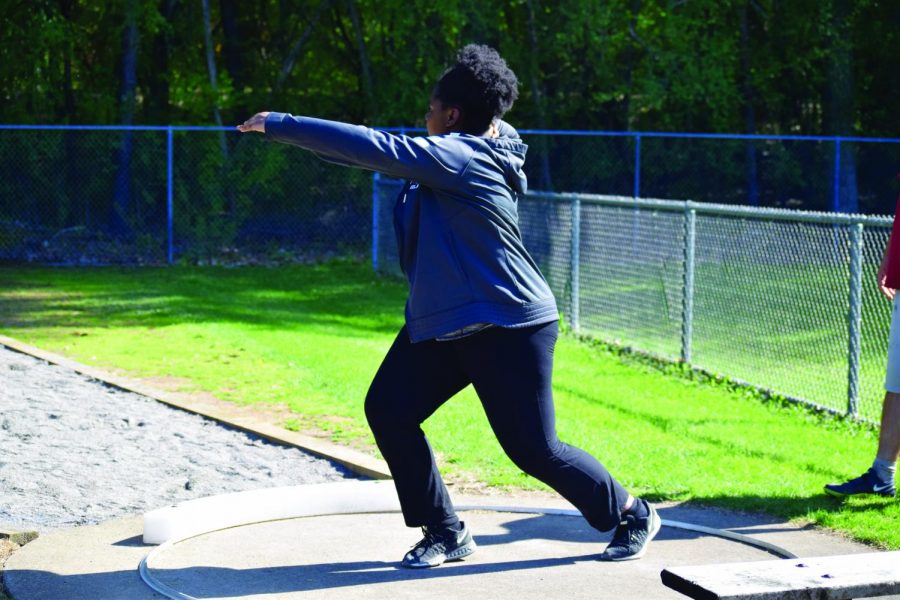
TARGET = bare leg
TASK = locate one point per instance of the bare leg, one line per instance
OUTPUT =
(889, 438)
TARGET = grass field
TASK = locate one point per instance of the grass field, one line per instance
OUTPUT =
(309, 338)
(790, 320)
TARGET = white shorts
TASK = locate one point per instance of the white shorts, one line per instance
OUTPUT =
(892, 379)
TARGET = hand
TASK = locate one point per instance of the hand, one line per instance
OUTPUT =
(889, 293)
(255, 123)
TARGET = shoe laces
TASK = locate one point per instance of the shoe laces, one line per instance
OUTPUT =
(626, 532)
(430, 538)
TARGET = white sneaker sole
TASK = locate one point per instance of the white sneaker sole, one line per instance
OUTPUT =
(457, 554)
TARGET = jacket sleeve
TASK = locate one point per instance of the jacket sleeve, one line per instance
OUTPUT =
(430, 161)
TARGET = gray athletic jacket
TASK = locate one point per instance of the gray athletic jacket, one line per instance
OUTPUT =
(456, 220)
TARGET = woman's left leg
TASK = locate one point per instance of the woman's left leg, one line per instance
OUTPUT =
(511, 370)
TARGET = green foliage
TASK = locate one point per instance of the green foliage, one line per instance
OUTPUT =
(646, 65)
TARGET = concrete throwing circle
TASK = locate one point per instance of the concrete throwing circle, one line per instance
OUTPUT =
(525, 552)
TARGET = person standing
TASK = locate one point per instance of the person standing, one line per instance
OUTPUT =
(880, 478)
(479, 311)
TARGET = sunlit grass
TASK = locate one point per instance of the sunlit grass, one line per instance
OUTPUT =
(310, 338)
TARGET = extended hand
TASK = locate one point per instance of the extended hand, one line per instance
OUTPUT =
(889, 293)
(255, 123)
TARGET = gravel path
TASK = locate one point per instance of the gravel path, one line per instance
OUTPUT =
(74, 451)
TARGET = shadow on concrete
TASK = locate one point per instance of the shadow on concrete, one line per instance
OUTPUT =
(565, 529)
(134, 542)
(217, 582)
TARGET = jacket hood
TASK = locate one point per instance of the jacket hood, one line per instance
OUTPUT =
(510, 155)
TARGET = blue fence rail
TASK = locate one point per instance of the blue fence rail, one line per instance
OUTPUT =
(145, 194)
(653, 275)
(850, 161)
(94, 194)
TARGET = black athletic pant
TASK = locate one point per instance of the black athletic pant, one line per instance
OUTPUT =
(511, 371)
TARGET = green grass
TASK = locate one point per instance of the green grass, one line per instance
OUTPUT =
(791, 321)
(311, 337)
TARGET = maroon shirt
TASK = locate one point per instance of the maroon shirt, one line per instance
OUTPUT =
(893, 256)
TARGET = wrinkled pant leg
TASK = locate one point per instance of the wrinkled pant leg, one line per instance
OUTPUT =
(413, 381)
(511, 370)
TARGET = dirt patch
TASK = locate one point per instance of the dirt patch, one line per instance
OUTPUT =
(282, 416)
(76, 452)
(6, 549)
(182, 388)
(274, 414)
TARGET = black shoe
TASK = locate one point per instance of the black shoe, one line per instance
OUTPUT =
(632, 536)
(867, 483)
(439, 547)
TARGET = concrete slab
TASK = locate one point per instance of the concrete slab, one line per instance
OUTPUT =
(82, 563)
(355, 556)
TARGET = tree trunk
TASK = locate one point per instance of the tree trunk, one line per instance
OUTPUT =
(122, 191)
(73, 197)
(211, 66)
(749, 112)
(545, 182)
(840, 103)
(213, 82)
(66, 7)
(156, 104)
(297, 48)
(371, 111)
(631, 59)
(232, 41)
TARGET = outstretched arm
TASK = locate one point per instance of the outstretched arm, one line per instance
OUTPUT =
(400, 156)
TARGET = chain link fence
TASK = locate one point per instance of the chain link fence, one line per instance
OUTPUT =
(783, 300)
(57, 203)
(100, 195)
(155, 195)
(808, 173)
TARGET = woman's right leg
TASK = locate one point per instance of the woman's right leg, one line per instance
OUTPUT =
(512, 372)
(412, 382)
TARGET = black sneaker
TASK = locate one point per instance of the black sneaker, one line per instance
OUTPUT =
(632, 536)
(867, 483)
(439, 547)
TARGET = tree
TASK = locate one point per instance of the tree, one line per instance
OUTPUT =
(839, 100)
(767, 66)
(122, 188)
(749, 93)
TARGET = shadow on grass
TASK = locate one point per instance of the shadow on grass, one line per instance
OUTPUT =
(668, 424)
(338, 294)
(820, 509)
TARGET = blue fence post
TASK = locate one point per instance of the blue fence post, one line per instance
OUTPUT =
(170, 209)
(376, 177)
(687, 301)
(575, 267)
(635, 218)
(637, 166)
(836, 200)
(854, 319)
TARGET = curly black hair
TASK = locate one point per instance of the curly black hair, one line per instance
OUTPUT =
(480, 84)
